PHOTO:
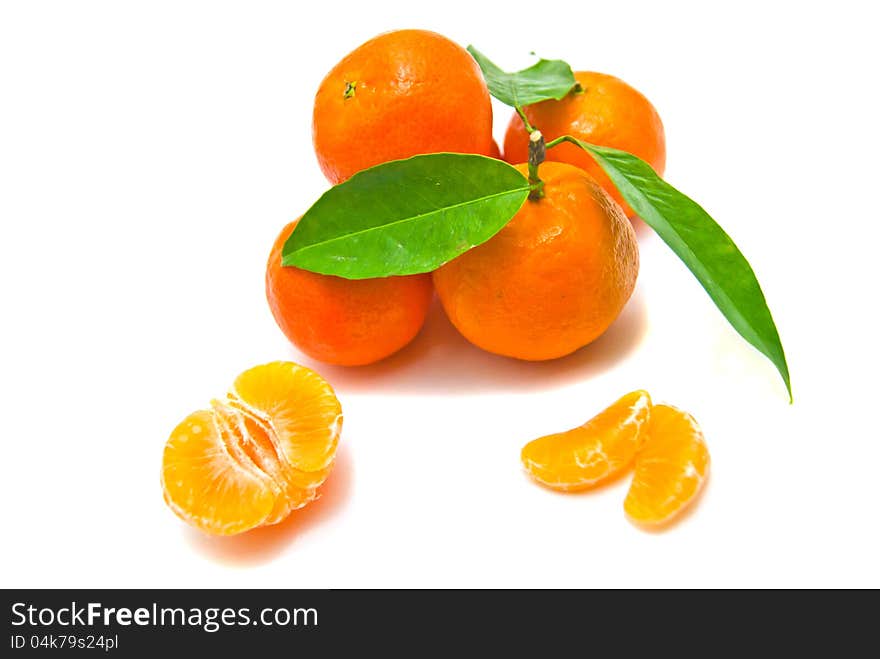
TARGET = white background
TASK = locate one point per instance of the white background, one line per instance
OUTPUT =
(149, 154)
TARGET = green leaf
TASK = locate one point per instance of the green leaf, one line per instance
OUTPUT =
(702, 244)
(545, 80)
(406, 216)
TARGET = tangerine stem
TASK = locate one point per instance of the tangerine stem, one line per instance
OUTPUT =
(537, 153)
(522, 115)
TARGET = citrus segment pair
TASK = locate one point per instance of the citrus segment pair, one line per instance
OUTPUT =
(257, 455)
(666, 444)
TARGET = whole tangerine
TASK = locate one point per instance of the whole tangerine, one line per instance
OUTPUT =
(602, 110)
(342, 321)
(553, 279)
(400, 94)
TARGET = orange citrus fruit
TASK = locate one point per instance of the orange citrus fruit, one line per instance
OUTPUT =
(400, 94)
(604, 111)
(343, 321)
(553, 279)
(258, 455)
(592, 453)
(671, 467)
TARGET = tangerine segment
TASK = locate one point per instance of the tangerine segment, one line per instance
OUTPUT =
(298, 407)
(243, 448)
(209, 487)
(299, 487)
(259, 435)
(594, 452)
(671, 467)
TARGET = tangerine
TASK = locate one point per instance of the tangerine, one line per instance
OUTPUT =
(553, 279)
(602, 110)
(400, 94)
(255, 457)
(343, 321)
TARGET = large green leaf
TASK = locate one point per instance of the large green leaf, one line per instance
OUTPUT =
(702, 244)
(542, 81)
(406, 216)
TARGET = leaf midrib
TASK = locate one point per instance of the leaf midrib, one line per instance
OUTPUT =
(412, 218)
(512, 82)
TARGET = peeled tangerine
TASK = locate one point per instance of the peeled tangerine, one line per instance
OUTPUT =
(255, 456)
(666, 444)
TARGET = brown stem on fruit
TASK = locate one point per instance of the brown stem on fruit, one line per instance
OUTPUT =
(537, 152)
